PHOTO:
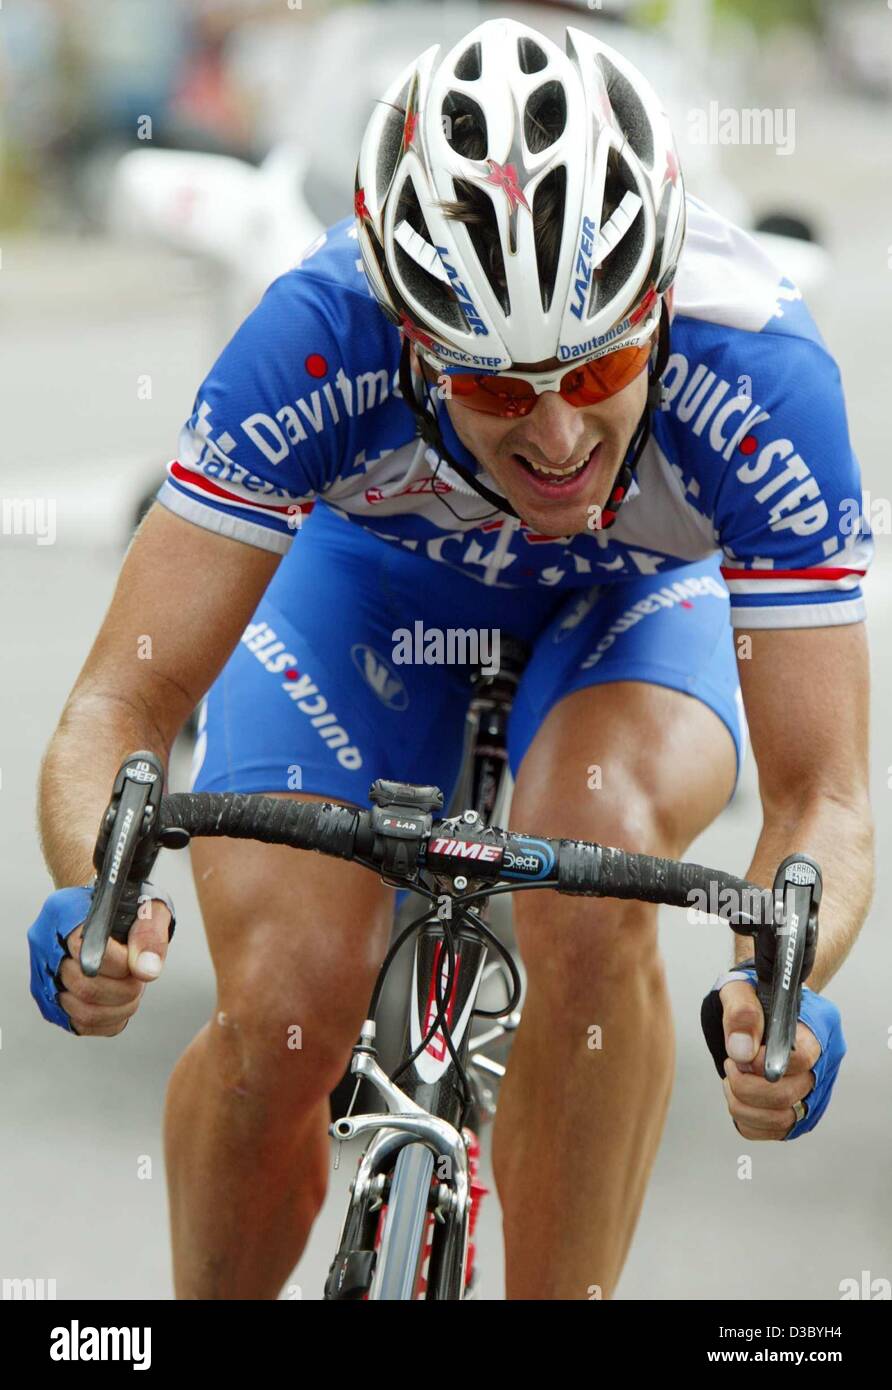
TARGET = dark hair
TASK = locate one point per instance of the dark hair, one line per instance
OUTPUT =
(467, 136)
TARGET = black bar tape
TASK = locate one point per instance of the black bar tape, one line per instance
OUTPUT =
(613, 873)
(271, 819)
(579, 867)
(657, 880)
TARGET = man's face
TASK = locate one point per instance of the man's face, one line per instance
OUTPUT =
(558, 436)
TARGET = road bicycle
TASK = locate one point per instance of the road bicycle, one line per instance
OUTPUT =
(415, 1197)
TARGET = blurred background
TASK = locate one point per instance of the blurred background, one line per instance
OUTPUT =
(160, 162)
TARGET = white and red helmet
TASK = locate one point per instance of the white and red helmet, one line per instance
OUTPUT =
(611, 161)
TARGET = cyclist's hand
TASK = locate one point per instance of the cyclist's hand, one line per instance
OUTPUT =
(100, 1006)
(762, 1109)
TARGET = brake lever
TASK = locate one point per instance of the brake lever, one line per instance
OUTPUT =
(785, 953)
(125, 851)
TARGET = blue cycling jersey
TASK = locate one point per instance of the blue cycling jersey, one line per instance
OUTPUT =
(750, 458)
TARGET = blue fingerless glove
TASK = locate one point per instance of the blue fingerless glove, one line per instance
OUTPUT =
(817, 1013)
(61, 913)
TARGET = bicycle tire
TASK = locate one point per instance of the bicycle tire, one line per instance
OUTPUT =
(402, 1247)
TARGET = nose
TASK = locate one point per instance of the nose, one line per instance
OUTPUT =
(555, 430)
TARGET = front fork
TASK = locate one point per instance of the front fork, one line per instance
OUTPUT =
(403, 1122)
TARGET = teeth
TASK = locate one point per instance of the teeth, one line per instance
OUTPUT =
(556, 472)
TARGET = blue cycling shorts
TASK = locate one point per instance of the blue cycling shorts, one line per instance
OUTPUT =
(315, 698)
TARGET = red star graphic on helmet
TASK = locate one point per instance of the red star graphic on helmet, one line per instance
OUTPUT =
(647, 302)
(413, 332)
(359, 206)
(504, 176)
(409, 128)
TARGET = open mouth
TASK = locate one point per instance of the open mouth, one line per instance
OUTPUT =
(553, 481)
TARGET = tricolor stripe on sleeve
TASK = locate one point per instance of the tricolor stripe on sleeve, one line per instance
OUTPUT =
(818, 596)
(269, 519)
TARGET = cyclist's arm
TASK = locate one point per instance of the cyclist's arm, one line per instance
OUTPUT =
(806, 694)
(183, 598)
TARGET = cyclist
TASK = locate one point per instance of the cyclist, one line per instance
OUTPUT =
(530, 388)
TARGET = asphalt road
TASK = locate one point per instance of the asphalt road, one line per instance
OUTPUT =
(82, 1197)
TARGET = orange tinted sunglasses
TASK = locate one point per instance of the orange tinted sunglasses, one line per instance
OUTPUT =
(588, 384)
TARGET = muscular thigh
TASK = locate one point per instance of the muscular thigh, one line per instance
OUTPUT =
(288, 927)
(637, 766)
(630, 710)
(627, 730)
(628, 763)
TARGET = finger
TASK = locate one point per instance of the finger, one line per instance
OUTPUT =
(806, 1051)
(742, 1020)
(148, 940)
(758, 1124)
(756, 1067)
(101, 989)
(114, 961)
(92, 1018)
(110, 1032)
(767, 1095)
(803, 1057)
(758, 1136)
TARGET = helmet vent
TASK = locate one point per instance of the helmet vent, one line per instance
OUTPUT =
(613, 274)
(464, 125)
(425, 287)
(629, 111)
(390, 143)
(421, 251)
(621, 234)
(545, 117)
(469, 66)
(476, 210)
(530, 56)
(548, 220)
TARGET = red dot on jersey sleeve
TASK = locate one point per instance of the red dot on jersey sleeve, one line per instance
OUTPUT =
(316, 364)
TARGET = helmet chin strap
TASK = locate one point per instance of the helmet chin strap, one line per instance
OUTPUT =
(430, 432)
(429, 429)
(623, 480)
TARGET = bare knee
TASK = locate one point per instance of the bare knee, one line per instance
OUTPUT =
(277, 1043)
(296, 943)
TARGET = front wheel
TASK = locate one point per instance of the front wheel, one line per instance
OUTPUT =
(398, 1267)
